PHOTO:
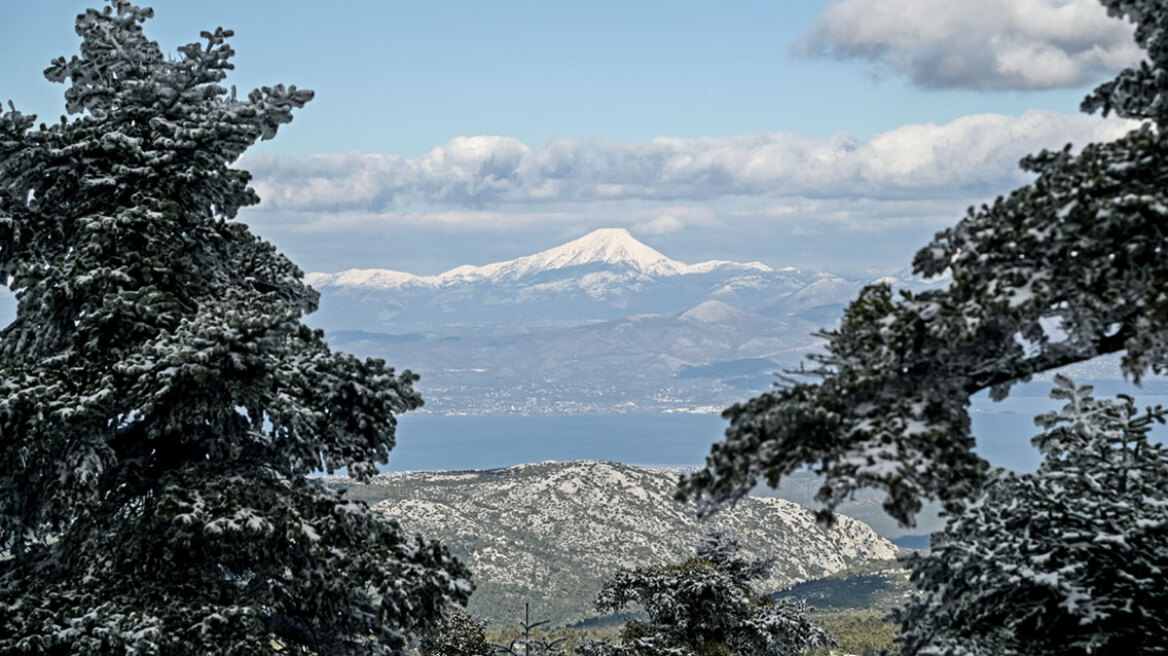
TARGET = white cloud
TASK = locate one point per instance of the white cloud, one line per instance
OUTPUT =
(971, 155)
(664, 220)
(987, 44)
(360, 222)
(665, 223)
(853, 216)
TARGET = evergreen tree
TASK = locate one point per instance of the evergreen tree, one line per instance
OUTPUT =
(1069, 560)
(161, 401)
(462, 635)
(705, 607)
(527, 644)
(1062, 270)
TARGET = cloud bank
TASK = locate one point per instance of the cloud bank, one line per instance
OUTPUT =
(988, 44)
(970, 156)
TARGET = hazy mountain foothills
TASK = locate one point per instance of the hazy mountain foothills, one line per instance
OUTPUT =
(605, 275)
(600, 324)
(550, 533)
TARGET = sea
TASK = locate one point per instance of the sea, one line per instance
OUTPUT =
(429, 442)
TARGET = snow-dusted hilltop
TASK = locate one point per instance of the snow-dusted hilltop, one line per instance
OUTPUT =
(549, 533)
(610, 248)
(714, 312)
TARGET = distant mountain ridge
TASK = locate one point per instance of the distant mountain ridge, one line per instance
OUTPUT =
(605, 275)
(602, 323)
(550, 533)
(611, 247)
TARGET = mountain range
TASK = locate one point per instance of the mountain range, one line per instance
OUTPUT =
(603, 323)
(604, 275)
(550, 533)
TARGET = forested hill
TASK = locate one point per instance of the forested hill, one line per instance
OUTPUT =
(550, 533)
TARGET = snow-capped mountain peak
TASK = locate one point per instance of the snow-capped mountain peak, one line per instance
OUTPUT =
(613, 247)
(709, 312)
(607, 246)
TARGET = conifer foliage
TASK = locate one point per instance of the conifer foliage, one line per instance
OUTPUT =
(161, 401)
(462, 635)
(525, 643)
(1068, 560)
(706, 607)
(1062, 270)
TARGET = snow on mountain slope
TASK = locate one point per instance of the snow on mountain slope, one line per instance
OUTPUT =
(604, 275)
(612, 248)
(608, 246)
(550, 533)
(832, 293)
(367, 278)
(826, 290)
(714, 312)
(714, 265)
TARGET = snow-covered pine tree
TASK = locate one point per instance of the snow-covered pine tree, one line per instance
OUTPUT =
(161, 401)
(1062, 270)
(461, 635)
(705, 607)
(1068, 560)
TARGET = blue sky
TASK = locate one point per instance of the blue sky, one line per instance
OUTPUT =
(825, 135)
